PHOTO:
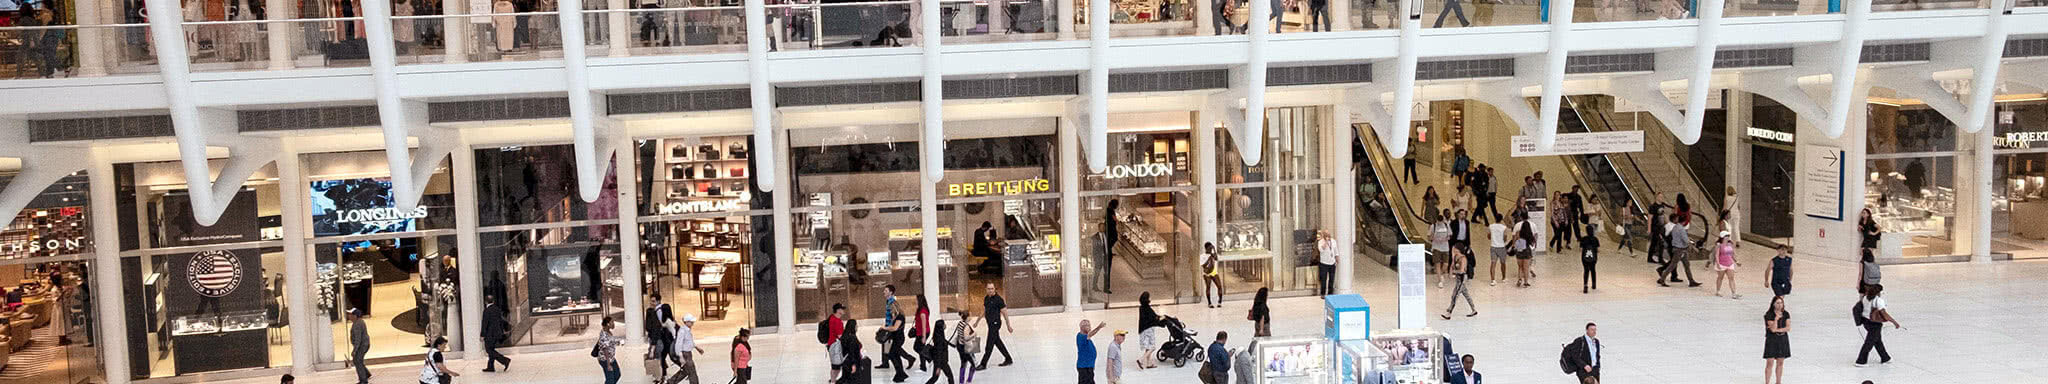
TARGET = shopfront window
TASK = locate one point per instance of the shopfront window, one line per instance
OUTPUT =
(1145, 17)
(857, 226)
(1002, 174)
(48, 316)
(705, 224)
(1271, 213)
(194, 291)
(551, 261)
(1771, 137)
(2021, 190)
(1911, 180)
(395, 267)
(1150, 180)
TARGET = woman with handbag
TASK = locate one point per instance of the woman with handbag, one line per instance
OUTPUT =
(742, 355)
(965, 340)
(1872, 315)
(938, 359)
(606, 352)
(1260, 315)
(436, 370)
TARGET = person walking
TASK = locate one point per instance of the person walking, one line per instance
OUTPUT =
(832, 331)
(1584, 355)
(1461, 229)
(1497, 244)
(1461, 264)
(1872, 314)
(890, 339)
(1777, 344)
(1218, 366)
(1318, 15)
(359, 344)
(682, 347)
(856, 369)
(1658, 213)
(1449, 7)
(1524, 248)
(1326, 264)
(1212, 277)
(1490, 185)
(1109, 236)
(1084, 345)
(1589, 256)
(742, 357)
(940, 347)
(1246, 363)
(495, 330)
(436, 371)
(1149, 325)
(966, 341)
(1870, 275)
(606, 351)
(1408, 165)
(997, 313)
(1679, 247)
(1261, 315)
(1431, 203)
(1866, 229)
(921, 334)
(1780, 274)
(1560, 223)
(1724, 265)
(1440, 248)
(658, 322)
(1114, 359)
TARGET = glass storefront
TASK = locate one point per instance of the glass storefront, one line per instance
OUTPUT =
(704, 223)
(47, 314)
(396, 267)
(857, 227)
(1910, 187)
(196, 290)
(1001, 189)
(1150, 180)
(1771, 156)
(550, 260)
(1270, 213)
(2021, 188)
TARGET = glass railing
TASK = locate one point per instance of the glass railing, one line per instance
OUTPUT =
(1143, 19)
(53, 51)
(1590, 11)
(486, 37)
(842, 25)
(2030, 3)
(1747, 8)
(1482, 13)
(220, 46)
(982, 21)
(1372, 14)
(1918, 5)
(670, 31)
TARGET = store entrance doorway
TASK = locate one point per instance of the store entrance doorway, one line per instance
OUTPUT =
(1153, 251)
(405, 289)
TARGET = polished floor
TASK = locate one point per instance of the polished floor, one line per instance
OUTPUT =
(1966, 322)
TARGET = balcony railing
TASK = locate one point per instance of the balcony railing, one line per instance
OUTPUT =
(31, 52)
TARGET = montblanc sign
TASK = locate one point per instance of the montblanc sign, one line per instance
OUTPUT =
(680, 207)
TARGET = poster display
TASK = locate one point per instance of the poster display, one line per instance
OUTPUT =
(1414, 307)
(1820, 171)
(360, 207)
(214, 299)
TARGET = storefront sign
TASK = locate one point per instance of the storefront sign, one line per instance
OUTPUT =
(986, 188)
(378, 217)
(1580, 144)
(2020, 139)
(1767, 134)
(1138, 170)
(1821, 170)
(359, 207)
(695, 206)
(214, 273)
(62, 246)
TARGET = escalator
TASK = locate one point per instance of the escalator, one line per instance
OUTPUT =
(1628, 181)
(1385, 218)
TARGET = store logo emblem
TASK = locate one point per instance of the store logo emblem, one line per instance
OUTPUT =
(698, 206)
(1012, 187)
(1767, 134)
(214, 273)
(378, 217)
(1139, 170)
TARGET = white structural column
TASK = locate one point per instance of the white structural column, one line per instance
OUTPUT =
(1250, 136)
(298, 273)
(763, 98)
(1096, 138)
(1346, 188)
(456, 42)
(1984, 82)
(401, 119)
(281, 32)
(1205, 182)
(196, 130)
(1982, 183)
(1705, 43)
(1070, 213)
(784, 255)
(106, 276)
(469, 264)
(629, 233)
(933, 144)
(1394, 134)
(1205, 18)
(92, 41)
(1850, 55)
(1545, 131)
(620, 35)
(1066, 19)
(592, 150)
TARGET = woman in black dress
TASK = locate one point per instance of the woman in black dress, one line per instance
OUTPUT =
(1777, 345)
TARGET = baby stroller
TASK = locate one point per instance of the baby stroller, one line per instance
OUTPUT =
(1180, 346)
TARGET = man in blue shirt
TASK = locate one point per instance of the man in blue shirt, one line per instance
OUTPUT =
(1085, 365)
(1219, 359)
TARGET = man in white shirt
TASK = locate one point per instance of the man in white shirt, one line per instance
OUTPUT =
(1588, 358)
(684, 343)
(1326, 265)
(1498, 235)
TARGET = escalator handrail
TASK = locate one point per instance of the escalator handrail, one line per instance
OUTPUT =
(1632, 200)
(1707, 196)
(1377, 155)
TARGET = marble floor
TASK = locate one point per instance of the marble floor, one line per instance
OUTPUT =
(1966, 322)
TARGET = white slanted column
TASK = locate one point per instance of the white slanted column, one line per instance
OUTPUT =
(933, 160)
(1070, 210)
(1545, 132)
(198, 129)
(629, 234)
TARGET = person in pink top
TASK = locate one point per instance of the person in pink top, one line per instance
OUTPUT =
(742, 353)
(1724, 265)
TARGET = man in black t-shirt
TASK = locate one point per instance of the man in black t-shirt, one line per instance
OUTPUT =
(997, 314)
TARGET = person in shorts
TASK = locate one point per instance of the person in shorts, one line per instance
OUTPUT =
(1497, 235)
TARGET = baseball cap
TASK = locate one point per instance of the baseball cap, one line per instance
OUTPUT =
(1120, 332)
(689, 318)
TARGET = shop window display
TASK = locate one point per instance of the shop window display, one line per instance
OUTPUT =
(1002, 173)
(396, 267)
(551, 282)
(856, 220)
(1772, 154)
(1151, 180)
(47, 319)
(704, 223)
(1912, 198)
(186, 306)
(2021, 191)
(1270, 213)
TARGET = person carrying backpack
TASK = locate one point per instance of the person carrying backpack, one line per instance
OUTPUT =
(830, 332)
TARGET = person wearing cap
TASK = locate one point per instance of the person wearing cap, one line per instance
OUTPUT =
(1115, 359)
(1724, 264)
(1085, 365)
(359, 344)
(684, 343)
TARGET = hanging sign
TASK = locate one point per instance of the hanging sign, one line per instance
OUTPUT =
(1580, 144)
(1771, 135)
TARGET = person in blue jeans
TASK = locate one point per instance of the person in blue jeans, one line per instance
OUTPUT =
(1219, 359)
(1319, 16)
(1449, 7)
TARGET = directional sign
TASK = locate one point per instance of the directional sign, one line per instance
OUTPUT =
(1820, 175)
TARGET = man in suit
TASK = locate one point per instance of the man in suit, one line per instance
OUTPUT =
(495, 329)
(658, 337)
(1469, 376)
(1585, 354)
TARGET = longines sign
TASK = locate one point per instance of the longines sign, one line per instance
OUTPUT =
(379, 217)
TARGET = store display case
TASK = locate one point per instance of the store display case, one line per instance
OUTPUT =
(1360, 362)
(1413, 356)
(1905, 216)
(199, 339)
(1295, 361)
